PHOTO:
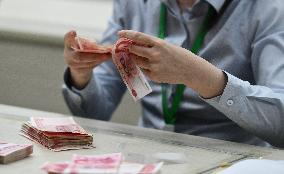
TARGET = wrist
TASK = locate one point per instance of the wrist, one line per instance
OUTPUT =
(216, 85)
(80, 78)
(204, 78)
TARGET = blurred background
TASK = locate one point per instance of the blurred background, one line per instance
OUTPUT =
(31, 51)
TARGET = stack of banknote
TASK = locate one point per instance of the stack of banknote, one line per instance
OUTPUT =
(60, 133)
(10, 152)
(90, 46)
(101, 164)
(131, 74)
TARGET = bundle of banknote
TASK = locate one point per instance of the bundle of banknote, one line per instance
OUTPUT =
(131, 74)
(90, 46)
(101, 164)
(10, 152)
(57, 134)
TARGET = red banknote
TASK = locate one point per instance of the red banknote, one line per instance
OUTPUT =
(57, 134)
(90, 46)
(131, 74)
(101, 164)
(95, 164)
(10, 152)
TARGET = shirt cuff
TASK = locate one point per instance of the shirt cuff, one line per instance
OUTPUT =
(84, 93)
(233, 96)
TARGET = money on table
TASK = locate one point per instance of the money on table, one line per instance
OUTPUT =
(10, 152)
(101, 164)
(57, 134)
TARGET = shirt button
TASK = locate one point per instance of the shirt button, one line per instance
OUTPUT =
(230, 102)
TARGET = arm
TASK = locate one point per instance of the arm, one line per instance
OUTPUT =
(259, 108)
(96, 94)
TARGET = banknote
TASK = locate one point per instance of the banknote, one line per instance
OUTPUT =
(90, 46)
(55, 168)
(57, 134)
(93, 164)
(10, 152)
(151, 168)
(98, 161)
(57, 124)
(101, 164)
(131, 74)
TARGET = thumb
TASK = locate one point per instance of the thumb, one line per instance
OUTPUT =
(69, 39)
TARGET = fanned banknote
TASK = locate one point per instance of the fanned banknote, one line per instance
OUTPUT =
(101, 164)
(131, 74)
(90, 46)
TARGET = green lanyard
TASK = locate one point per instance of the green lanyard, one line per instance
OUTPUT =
(170, 113)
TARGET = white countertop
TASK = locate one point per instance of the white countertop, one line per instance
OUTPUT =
(203, 155)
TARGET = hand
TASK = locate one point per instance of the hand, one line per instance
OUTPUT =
(81, 64)
(166, 63)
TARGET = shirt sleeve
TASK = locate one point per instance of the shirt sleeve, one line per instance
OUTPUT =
(105, 89)
(259, 108)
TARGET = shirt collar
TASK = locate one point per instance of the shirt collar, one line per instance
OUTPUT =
(216, 4)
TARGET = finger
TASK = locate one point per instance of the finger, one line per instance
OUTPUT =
(90, 57)
(69, 39)
(147, 73)
(141, 51)
(138, 37)
(151, 75)
(141, 62)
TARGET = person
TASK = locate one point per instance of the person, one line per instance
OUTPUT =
(232, 87)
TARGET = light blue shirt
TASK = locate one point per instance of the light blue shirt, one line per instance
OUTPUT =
(247, 43)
